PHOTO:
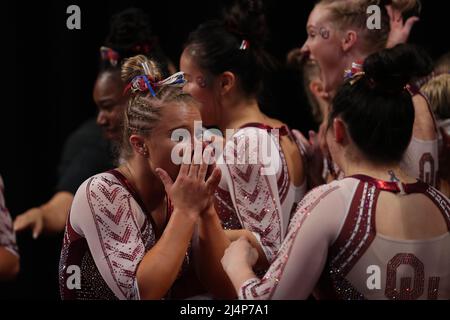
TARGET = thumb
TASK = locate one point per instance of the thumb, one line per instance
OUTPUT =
(165, 178)
(410, 23)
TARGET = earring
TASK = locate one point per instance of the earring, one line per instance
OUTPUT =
(144, 151)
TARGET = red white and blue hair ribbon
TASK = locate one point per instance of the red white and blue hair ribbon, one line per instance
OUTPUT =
(108, 54)
(355, 71)
(144, 83)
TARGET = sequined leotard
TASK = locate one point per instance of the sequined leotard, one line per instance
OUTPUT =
(334, 250)
(255, 192)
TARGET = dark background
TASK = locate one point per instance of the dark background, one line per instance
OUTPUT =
(48, 73)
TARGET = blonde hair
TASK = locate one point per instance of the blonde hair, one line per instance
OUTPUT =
(443, 64)
(438, 92)
(311, 71)
(144, 110)
(353, 13)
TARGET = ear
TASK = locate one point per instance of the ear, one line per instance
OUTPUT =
(318, 90)
(227, 82)
(349, 40)
(316, 87)
(138, 144)
(339, 130)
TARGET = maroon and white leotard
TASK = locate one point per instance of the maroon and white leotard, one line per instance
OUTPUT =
(108, 233)
(257, 195)
(334, 250)
(7, 235)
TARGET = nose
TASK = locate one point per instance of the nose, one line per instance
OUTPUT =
(304, 50)
(101, 119)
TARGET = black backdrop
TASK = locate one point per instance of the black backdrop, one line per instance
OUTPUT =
(48, 72)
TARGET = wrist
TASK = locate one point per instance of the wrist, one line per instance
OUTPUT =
(190, 215)
(239, 275)
(209, 212)
(239, 266)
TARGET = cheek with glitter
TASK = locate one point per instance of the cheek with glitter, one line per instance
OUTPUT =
(201, 81)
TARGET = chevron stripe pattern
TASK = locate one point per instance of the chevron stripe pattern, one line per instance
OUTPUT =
(7, 235)
(123, 243)
(266, 287)
(255, 195)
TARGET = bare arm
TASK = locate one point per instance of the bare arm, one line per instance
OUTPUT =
(300, 261)
(50, 217)
(190, 195)
(212, 242)
(9, 265)
(159, 268)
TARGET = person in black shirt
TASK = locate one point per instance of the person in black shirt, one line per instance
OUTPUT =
(86, 152)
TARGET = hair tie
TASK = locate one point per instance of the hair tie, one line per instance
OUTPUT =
(143, 47)
(244, 45)
(144, 83)
(357, 68)
(140, 84)
(175, 80)
(356, 77)
(110, 55)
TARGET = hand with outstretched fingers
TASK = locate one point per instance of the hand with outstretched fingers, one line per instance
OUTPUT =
(193, 190)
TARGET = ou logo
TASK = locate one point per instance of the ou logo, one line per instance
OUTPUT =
(411, 288)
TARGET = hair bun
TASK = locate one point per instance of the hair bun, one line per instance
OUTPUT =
(129, 28)
(140, 66)
(247, 18)
(392, 69)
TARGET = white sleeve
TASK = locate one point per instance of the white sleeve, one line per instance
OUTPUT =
(105, 215)
(250, 178)
(301, 259)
